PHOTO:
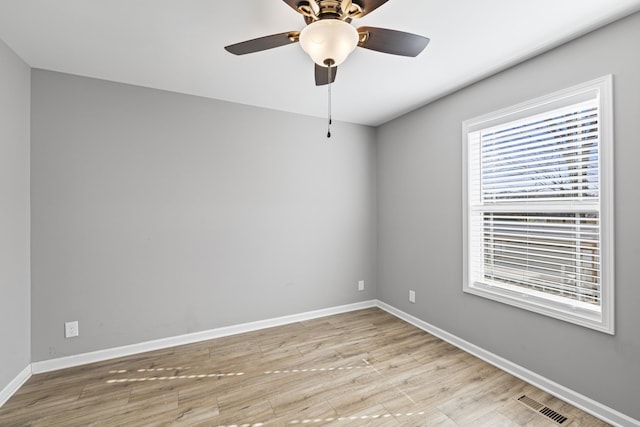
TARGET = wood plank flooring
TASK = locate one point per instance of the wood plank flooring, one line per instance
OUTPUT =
(363, 368)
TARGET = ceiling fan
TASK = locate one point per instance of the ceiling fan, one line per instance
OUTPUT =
(329, 36)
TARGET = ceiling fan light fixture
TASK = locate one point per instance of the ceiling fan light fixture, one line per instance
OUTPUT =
(329, 41)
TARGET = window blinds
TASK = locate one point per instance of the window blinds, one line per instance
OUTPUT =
(535, 197)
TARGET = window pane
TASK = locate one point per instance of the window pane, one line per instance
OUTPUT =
(556, 253)
(550, 156)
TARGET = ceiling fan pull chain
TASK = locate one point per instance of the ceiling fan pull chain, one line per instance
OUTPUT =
(329, 93)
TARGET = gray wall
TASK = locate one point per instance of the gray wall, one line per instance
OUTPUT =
(157, 214)
(15, 304)
(420, 217)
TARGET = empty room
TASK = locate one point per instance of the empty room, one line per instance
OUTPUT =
(319, 212)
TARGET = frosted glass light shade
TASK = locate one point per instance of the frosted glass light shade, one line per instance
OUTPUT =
(328, 39)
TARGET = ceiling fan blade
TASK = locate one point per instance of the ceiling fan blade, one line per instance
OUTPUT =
(369, 6)
(392, 41)
(322, 75)
(263, 43)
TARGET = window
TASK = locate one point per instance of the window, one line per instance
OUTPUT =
(538, 192)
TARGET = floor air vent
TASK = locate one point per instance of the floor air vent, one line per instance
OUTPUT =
(541, 409)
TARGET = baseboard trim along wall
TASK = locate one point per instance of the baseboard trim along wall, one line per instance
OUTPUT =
(578, 400)
(14, 385)
(128, 350)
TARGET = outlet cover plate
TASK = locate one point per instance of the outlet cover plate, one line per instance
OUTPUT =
(71, 329)
(361, 285)
(412, 296)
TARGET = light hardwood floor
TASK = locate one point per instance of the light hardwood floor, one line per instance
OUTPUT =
(355, 369)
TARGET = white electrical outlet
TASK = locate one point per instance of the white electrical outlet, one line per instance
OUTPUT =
(71, 329)
(361, 285)
(412, 296)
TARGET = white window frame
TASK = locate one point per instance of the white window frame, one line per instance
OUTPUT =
(601, 318)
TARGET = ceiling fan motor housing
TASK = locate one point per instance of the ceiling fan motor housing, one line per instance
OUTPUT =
(314, 10)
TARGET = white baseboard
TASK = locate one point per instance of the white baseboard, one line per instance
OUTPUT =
(128, 350)
(574, 398)
(14, 385)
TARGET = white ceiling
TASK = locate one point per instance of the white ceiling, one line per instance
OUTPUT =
(177, 45)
